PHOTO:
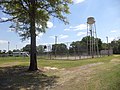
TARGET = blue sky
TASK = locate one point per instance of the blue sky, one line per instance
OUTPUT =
(105, 12)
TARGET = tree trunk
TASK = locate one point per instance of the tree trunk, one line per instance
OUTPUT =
(33, 59)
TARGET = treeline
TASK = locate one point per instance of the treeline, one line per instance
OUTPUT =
(76, 47)
(115, 44)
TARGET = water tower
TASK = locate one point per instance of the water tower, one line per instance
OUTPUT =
(92, 42)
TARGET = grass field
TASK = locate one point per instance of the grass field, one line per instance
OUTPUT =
(86, 74)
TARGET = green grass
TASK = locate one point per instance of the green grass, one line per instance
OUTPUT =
(72, 63)
(16, 76)
(106, 78)
(56, 63)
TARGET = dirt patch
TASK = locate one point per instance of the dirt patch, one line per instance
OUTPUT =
(10, 64)
(75, 76)
(115, 60)
(49, 68)
(116, 55)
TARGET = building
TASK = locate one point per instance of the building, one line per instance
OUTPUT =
(19, 54)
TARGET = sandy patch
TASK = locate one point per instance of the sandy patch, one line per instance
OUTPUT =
(115, 60)
(77, 74)
(10, 64)
(49, 68)
(116, 55)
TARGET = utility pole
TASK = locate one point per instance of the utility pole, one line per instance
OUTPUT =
(8, 46)
(16, 47)
(55, 45)
(107, 45)
(67, 51)
(56, 39)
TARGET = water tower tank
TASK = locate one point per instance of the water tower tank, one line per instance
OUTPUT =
(90, 20)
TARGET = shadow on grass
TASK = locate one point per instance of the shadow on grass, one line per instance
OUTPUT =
(17, 77)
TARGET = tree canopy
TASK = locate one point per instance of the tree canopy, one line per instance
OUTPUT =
(30, 17)
(60, 49)
(81, 46)
(19, 13)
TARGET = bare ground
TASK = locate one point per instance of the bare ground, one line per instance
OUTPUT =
(73, 78)
(78, 78)
(10, 64)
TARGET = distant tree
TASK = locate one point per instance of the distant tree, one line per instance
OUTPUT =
(115, 44)
(40, 49)
(75, 47)
(16, 50)
(9, 52)
(4, 51)
(104, 46)
(78, 47)
(26, 48)
(98, 40)
(0, 51)
(26, 13)
(59, 49)
(99, 44)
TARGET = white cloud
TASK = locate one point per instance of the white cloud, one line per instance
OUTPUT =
(113, 31)
(80, 27)
(3, 42)
(3, 18)
(59, 36)
(77, 28)
(63, 36)
(110, 39)
(24, 43)
(38, 38)
(54, 27)
(49, 24)
(81, 33)
(118, 37)
(71, 27)
(38, 26)
(52, 37)
(67, 29)
(78, 1)
(40, 34)
(11, 30)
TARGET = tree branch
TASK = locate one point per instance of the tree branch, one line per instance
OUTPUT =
(21, 3)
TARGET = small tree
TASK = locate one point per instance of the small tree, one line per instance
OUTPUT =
(59, 49)
(26, 48)
(27, 14)
(40, 49)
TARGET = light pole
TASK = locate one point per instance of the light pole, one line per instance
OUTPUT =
(16, 47)
(107, 45)
(68, 50)
(8, 46)
(56, 39)
(55, 45)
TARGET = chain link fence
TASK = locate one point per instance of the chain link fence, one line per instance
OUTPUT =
(69, 51)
